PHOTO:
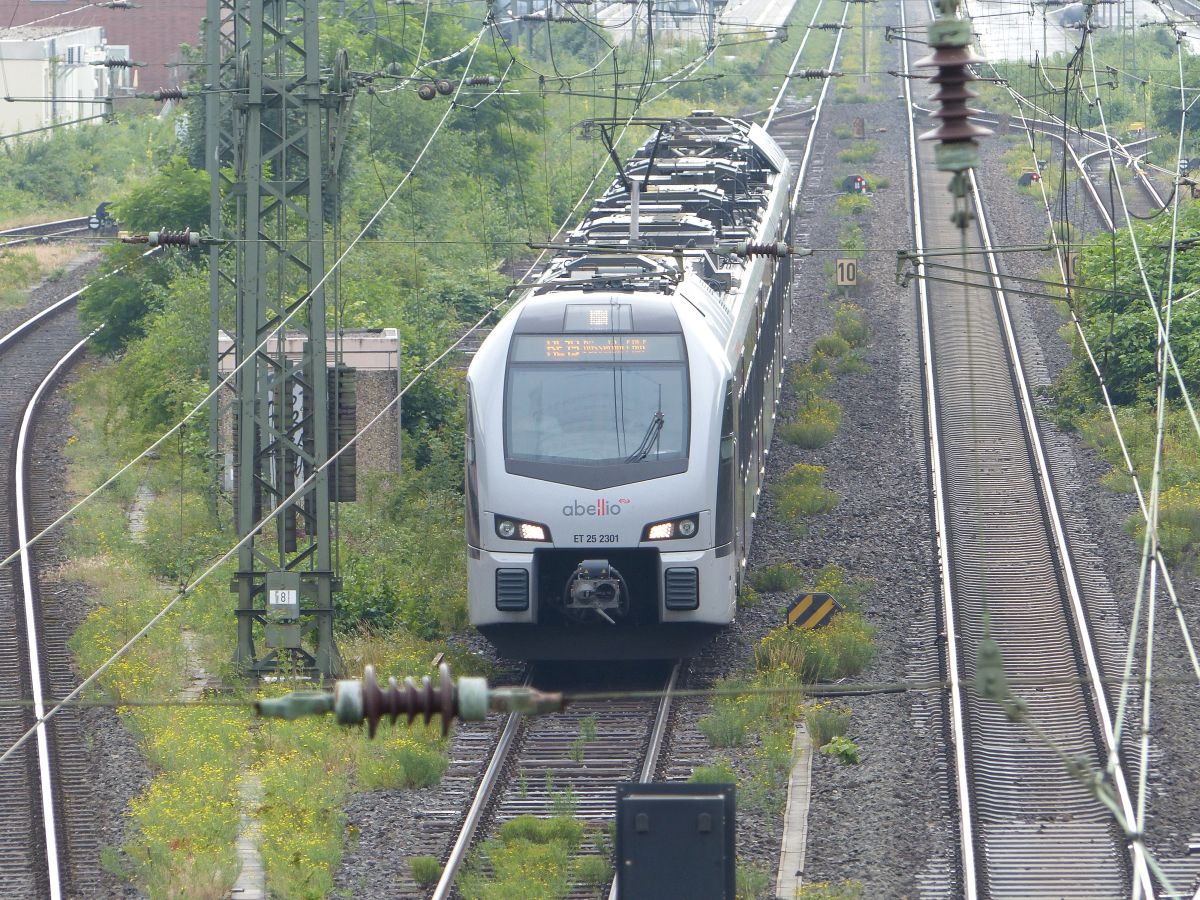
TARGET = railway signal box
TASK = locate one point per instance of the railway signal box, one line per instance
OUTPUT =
(675, 841)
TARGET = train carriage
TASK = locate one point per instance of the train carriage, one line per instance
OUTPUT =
(620, 415)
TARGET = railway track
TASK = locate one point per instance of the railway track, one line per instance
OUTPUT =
(531, 766)
(46, 847)
(1028, 827)
(47, 842)
(30, 234)
(570, 761)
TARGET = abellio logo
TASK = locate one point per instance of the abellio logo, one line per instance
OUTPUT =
(601, 507)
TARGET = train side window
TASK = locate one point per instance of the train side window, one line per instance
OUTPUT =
(725, 476)
(471, 478)
(727, 425)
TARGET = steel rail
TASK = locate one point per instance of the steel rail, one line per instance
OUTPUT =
(787, 79)
(493, 775)
(1085, 644)
(480, 803)
(657, 734)
(33, 617)
(966, 818)
(806, 157)
(1111, 145)
(1076, 624)
(29, 600)
(72, 226)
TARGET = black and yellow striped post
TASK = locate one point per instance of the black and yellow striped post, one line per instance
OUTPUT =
(812, 610)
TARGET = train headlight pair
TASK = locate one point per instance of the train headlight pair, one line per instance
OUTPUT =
(672, 529)
(516, 530)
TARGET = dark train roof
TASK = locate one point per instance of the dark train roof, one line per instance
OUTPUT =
(704, 183)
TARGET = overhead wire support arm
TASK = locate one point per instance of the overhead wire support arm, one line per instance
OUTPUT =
(606, 138)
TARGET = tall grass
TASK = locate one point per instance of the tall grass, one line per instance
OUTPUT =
(814, 424)
(842, 648)
(779, 577)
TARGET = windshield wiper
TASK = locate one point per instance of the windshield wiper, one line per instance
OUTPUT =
(651, 436)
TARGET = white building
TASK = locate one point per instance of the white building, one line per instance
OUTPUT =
(51, 76)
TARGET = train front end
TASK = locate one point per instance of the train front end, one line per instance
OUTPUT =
(593, 496)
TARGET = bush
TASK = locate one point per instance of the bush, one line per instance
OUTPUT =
(852, 204)
(180, 536)
(425, 870)
(400, 762)
(850, 325)
(831, 345)
(560, 829)
(814, 426)
(718, 773)
(852, 240)
(842, 648)
(18, 270)
(753, 882)
(751, 706)
(733, 715)
(828, 890)
(847, 589)
(851, 364)
(825, 722)
(592, 870)
(519, 869)
(843, 749)
(800, 492)
(779, 577)
(1178, 524)
(809, 384)
(864, 151)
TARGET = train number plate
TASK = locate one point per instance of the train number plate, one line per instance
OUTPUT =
(595, 538)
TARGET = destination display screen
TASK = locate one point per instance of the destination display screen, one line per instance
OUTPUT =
(597, 348)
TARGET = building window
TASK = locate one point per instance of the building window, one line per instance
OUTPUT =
(120, 77)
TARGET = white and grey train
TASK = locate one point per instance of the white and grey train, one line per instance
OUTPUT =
(620, 415)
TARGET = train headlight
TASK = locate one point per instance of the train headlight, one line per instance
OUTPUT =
(672, 529)
(531, 532)
(517, 530)
(663, 531)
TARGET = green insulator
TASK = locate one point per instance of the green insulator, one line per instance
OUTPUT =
(294, 705)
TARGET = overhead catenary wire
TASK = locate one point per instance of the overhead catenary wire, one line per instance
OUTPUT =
(277, 329)
(188, 588)
(1151, 555)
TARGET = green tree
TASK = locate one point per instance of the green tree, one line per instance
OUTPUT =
(175, 197)
(1117, 316)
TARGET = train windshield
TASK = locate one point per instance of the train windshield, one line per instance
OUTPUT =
(597, 399)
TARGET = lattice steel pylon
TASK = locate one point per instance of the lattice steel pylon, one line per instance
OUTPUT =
(275, 124)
